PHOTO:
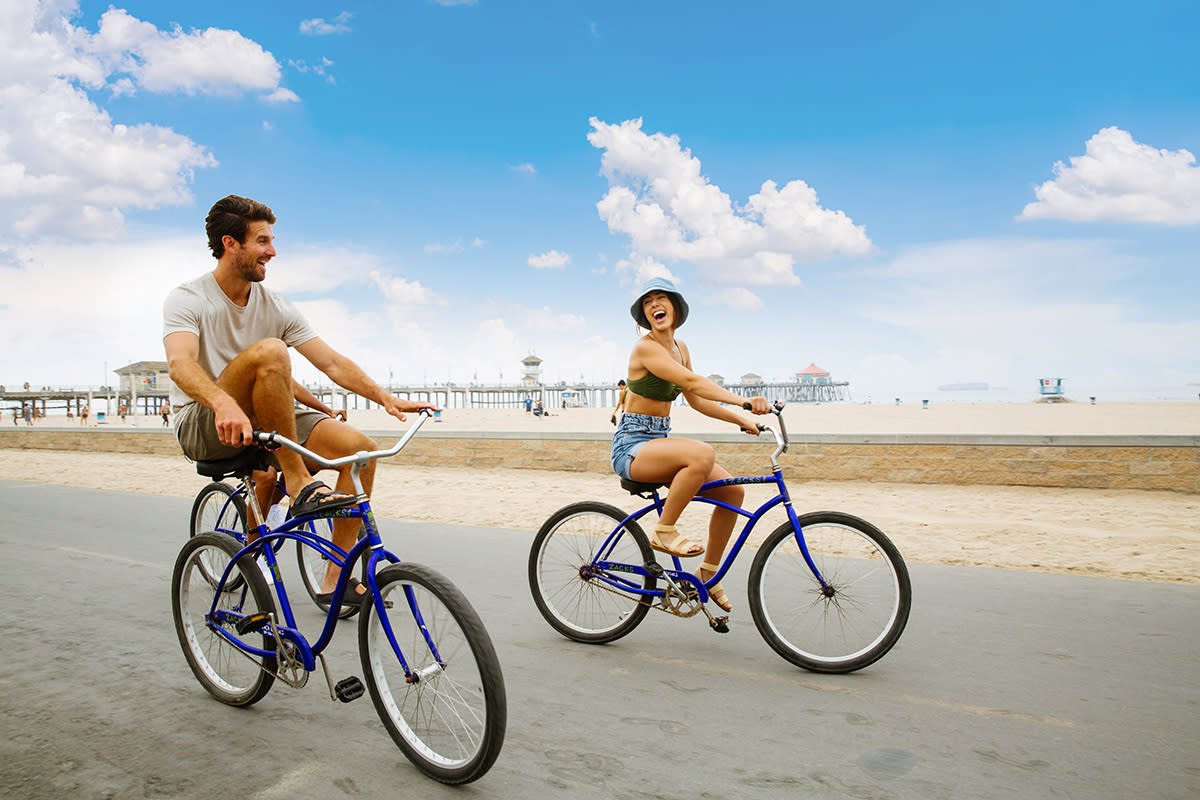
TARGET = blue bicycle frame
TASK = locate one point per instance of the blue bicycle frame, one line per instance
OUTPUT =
(268, 543)
(609, 571)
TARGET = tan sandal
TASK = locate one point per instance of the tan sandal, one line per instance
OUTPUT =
(679, 546)
(716, 593)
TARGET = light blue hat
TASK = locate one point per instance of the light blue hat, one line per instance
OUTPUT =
(659, 285)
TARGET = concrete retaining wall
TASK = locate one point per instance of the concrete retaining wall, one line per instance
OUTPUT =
(1094, 462)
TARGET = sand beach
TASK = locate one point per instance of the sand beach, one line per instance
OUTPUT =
(1129, 534)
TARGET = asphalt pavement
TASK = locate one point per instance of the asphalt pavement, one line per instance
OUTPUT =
(1004, 685)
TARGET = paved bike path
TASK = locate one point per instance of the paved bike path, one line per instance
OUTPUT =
(1005, 684)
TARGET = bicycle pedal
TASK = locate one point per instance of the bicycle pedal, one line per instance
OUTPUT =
(252, 623)
(348, 689)
(720, 624)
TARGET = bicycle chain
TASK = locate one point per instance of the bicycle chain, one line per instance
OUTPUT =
(670, 602)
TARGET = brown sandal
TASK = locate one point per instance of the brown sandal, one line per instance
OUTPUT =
(679, 546)
(715, 593)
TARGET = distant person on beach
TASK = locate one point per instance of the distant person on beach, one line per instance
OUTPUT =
(227, 340)
(165, 412)
(83, 415)
(29, 415)
(660, 369)
(528, 404)
(620, 400)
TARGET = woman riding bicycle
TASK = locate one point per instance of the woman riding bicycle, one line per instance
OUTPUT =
(660, 369)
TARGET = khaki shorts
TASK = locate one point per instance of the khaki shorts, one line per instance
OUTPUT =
(196, 430)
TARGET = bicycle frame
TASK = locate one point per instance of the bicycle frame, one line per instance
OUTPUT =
(603, 568)
(270, 540)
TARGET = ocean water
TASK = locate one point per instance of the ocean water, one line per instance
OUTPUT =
(1081, 394)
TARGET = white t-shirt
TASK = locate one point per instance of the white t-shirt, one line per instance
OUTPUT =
(225, 328)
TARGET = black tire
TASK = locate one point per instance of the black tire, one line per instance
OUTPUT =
(228, 674)
(851, 624)
(576, 605)
(218, 507)
(450, 720)
(312, 565)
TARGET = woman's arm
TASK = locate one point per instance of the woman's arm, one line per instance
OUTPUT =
(307, 398)
(654, 358)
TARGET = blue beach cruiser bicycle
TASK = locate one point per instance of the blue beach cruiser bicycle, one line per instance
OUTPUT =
(828, 591)
(428, 661)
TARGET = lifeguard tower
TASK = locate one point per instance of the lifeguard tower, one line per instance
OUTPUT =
(1051, 390)
(532, 374)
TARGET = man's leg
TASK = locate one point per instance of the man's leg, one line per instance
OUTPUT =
(260, 380)
(333, 439)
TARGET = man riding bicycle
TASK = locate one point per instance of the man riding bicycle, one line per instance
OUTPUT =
(227, 340)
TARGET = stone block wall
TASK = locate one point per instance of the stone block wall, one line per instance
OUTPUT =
(1088, 462)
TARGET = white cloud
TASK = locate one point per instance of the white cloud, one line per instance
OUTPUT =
(670, 211)
(526, 167)
(401, 292)
(545, 319)
(438, 247)
(641, 268)
(738, 298)
(211, 61)
(282, 95)
(1121, 180)
(1009, 311)
(67, 168)
(552, 259)
(450, 3)
(105, 301)
(319, 27)
(477, 242)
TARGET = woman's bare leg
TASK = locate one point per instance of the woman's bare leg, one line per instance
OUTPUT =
(683, 464)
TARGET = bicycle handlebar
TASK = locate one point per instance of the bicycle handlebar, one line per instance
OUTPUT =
(360, 458)
(781, 439)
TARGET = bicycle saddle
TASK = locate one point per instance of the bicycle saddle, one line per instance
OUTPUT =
(640, 489)
(245, 462)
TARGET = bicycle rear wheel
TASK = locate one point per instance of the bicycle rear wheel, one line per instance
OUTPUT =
(569, 592)
(844, 627)
(313, 564)
(448, 712)
(218, 507)
(229, 674)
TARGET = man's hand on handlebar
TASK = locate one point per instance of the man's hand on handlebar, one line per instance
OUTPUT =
(397, 407)
(233, 426)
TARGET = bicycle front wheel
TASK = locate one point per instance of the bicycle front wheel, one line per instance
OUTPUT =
(447, 712)
(855, 618)
(228, 673)
(576, 598)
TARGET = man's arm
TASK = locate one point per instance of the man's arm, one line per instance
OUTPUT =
(348, 375)
(183, 347)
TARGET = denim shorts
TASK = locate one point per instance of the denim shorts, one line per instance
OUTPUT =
(633, 431)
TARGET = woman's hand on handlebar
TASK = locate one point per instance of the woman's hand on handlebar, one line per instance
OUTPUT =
(757, 405)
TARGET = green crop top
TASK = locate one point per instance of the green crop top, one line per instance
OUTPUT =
(653, 387)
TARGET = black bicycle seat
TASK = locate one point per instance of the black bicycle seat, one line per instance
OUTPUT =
(640, 489)
(245, 462)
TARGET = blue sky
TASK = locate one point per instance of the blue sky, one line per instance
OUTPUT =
(906, 194)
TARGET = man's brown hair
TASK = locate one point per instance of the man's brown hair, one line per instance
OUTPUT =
(231, 216)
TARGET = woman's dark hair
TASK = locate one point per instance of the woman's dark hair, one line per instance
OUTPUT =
(230, 216)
